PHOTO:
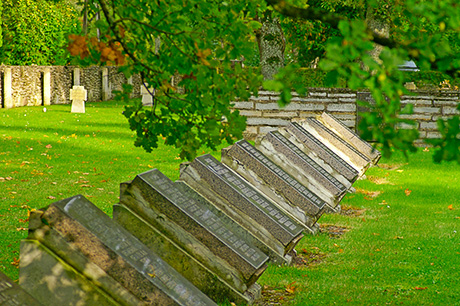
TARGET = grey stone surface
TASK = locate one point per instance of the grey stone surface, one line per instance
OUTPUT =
(294, 159)
(296, 194)
(245, 204)
(88, 231)
(214, 286)
(312, 144)
(355, 158)
(152, 190)
(78, 95)
(351, 137)
(12, 294)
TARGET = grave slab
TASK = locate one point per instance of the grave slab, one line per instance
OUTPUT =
(11, 294)
(355, 158)
(245, 204)
(301, 166)
(285, 190)
(177, 257)
(317, 150)
(119, 254)
(194, 223)
(349, 136)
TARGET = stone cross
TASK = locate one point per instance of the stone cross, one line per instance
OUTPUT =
(78, 95)
(147, 94)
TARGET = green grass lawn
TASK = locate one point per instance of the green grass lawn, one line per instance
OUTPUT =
(398, 243)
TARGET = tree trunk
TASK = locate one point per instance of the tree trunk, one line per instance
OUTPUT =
(378, 25)
(272, 43)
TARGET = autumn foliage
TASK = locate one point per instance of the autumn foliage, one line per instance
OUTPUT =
(109, 52)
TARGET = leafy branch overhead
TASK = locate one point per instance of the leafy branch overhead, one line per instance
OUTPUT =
(184, 50)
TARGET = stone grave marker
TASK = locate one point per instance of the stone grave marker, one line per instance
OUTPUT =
(358, 160)
(197, 227)
(320, 152)
(85, 232)
(245, 204)
(147, 94)
(285, 190)
(302, 167)
(11, 294)
(78, 95)
(351, 137)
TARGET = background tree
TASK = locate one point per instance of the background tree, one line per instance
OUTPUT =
(200, 38)
(35, 31)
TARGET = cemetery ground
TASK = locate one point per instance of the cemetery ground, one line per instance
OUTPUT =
(397, 240)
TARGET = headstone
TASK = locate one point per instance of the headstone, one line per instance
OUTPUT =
(76, 76)
(86, 233)
(302, 167)
(285, 190)
(319, 152)
(11, 294)
(147, 95)
(195, 225)
(351, 137)
(245, 204)
(7, 89)
(78, 95)
(47, 86)
(355, 158)
(106, 91)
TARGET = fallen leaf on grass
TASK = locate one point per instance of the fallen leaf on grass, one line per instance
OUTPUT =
(291, 288)
(420, 288)
(398, 237)
(51, 197)
(407, 192)
(21, 229)
(48, 146)
(450, 207)
(15, 262)
(400, 171)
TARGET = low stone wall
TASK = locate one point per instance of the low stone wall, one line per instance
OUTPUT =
(27, 85)
(264, 115)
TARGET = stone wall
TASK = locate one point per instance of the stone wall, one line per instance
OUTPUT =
(23, 85)
(264, 115)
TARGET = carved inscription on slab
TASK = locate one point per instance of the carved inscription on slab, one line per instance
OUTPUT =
(206, 218)
(278, 136)
(133, 251)
(247, 191)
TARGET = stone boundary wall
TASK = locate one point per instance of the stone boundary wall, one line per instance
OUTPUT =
(44, 85)
(264, 115)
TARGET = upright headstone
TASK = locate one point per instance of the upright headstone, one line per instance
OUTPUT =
(76, 76)
(349, 136)
(147, 94)
(299, 200)
(106, 92)
(81, 235)
(245, 204)
(196, 227)
(78, 95)
(7, 89)
(46, 86)
(321, 153)
(11, 294)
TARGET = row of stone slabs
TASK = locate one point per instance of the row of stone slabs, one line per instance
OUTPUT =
(201, 240)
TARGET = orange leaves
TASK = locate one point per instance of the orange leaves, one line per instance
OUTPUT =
(202, 55)
(450, 207)
(78, 46)
(15, 262)
(291, 288)
(420, 288)
(110, 52)
(407, 192)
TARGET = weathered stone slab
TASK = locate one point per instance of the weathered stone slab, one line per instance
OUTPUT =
(214, 286)
(195, 225)
(337, 144)
(11, 294)
(351, 137)
(119, 254)
(245, 204)
(301, 166)
(317, 150)
(291, 195)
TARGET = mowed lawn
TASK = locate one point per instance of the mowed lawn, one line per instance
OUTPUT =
(397, 242)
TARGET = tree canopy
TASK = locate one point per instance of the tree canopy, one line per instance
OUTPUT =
(184, 51)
